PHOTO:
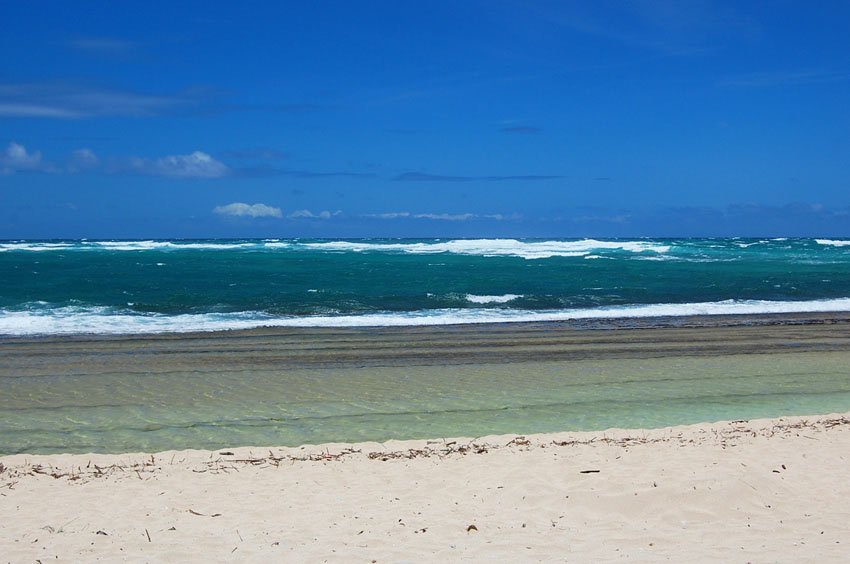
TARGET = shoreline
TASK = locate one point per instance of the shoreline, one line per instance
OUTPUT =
(154, 393)
(766, 489)
(578, 324)
(744, 334)
(76, 466)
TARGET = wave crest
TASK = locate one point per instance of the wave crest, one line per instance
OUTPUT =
(67, 320)
(832, 242)
(496, 247)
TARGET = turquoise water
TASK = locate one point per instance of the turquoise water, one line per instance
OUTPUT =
(59, 287)
(120, 412)
(105, 395)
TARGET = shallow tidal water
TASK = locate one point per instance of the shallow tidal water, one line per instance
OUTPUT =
(126, 408)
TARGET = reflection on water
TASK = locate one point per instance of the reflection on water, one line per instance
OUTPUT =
(124, 410)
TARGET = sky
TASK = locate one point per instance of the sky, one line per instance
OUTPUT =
(489, 118)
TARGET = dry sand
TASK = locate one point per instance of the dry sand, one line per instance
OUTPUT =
(761, 491)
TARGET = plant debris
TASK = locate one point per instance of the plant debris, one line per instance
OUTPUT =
(726, 434)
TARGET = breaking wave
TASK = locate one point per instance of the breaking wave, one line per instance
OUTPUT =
(496, 247)
(68, 320)
(479, 247)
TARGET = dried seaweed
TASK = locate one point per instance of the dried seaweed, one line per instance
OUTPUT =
(723, 434)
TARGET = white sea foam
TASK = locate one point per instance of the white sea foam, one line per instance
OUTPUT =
(586, 248)
(104, 321)
(833, 242)
(147, 245)
(165, 245)
(36, 246)
(495, 247)
(503, 299)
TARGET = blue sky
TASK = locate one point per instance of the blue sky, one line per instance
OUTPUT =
(491, 118)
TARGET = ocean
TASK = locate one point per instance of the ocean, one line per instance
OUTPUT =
(153, 286)
(124, 346)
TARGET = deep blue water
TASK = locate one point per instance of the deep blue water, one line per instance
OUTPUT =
(55, 287)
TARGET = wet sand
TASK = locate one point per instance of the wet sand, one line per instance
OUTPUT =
(281, 348)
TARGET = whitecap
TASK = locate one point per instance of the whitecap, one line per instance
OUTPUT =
(503, 299)
(103, 320)
(833, 242)
(164, 245)
(35, 246)
(495, 247)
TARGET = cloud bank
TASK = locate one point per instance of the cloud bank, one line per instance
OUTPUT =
(193, 165)
(307, 214)
(16, 158)
(239, 209)
(440, 216)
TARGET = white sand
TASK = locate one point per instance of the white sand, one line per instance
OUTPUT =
(767, 490)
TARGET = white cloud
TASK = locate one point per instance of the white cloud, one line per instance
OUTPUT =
(16, 157)
(388, 215)
(307, 214)
(194, 165)
(70, 101)
(36, 110)
(82, 159)
(239, 209)
(440, 216)
(446, 216)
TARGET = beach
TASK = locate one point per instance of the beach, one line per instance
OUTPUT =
(408, 282)
(747, 491)
(294, 386)
(727, 453)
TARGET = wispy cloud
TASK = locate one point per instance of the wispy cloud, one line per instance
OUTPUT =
(668, 27)
(72, 101)
(14, 109)
(387, 215)
(307, 214)
(440, 216)
(83, 159)
(446, 216)
(618, 218)
(425, 177)
(240, 209)
(193, 165)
